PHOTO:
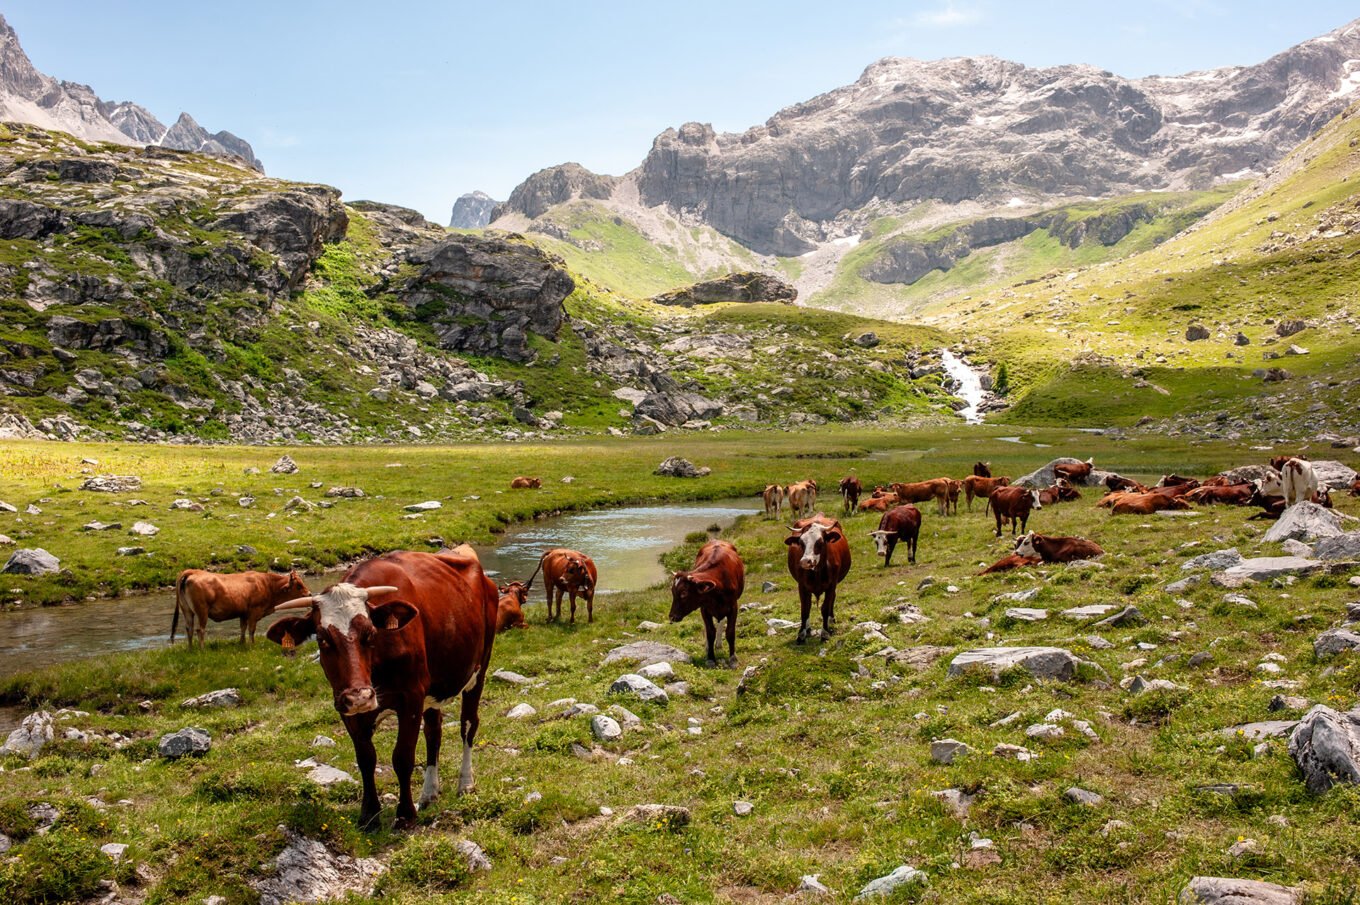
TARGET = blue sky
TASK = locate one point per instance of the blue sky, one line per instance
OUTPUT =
(415, 103)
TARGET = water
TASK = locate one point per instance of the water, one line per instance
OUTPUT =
(625, 544)
(970, 385)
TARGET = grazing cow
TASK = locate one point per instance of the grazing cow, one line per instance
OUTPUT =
(1013, 503)
(851, 488)
(1011, 561)
(819, 558)
(1233, 494)
(1119, 482)
(936, 489)
(878, 503)
(510, 608)
(773, 495)
(427, 639)
(1076, 472)
(975, 486)
(900, 524)
(1298, 481)
(1146, 503)
(982, 469)
(1057, 549)
(247, 596)
(523, 483)
(712, 587)
(568, 572)
(802, 497)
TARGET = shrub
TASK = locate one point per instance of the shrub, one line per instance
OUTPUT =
(431, 862)
(61, 866)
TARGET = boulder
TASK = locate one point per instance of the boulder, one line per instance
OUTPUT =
(920, 657)
(1345, 547)
(946, 750)
(1026, 614)
(642, 688)
(1245, 474)
(646, 653)
(1304, 521)
(351, 493)
(1043, 477)
(31, 561)
(1129, 615)
(1262, 730)
(604, 728)
(1082, 796)
(674, 408)
(427, 506)
(676, 467)
(144, 529)
(1326, 747)
(1196, 332)
(112, 483)
(285, 465)
(1216, 561)
(1226, 891)
(1334, 474)
(1265, 568)
(190, 741)
(33, 733)
(511, 678)
(1081, 613)
(746, 286)
(1335, 641)
(521, 711)
(477, 859)
(223, 697)
(886, 885)
(307, 871)
(671, 815)
(1041, 662)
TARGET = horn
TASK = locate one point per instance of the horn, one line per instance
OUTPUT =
(381, 589)
(296, 603)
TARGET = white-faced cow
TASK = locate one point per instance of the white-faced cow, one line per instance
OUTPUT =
(902, 523)
(818, 560)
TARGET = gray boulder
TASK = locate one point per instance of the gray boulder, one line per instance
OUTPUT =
(307, 871)
(746, 286)
(1265, 568)
(946, 750)
(676, 467)
(645, 653)
(1304, 521)
(885, 885)
(1334, 474)
(112, 483)
(1326, 747)
(1343, 547)
(31, 561)
(190, 741)
(605, 728)
(1245, 474)
(1335, 641)
(1257, 731)
(33, 733)
(677, 407)
(222, 697)
(1216, 561)
(1227, 891)
(640, 687)
(1129, 615)
(285, 465)
(670, 814)
(1041, 662)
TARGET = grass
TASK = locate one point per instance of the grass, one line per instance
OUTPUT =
(829, 742)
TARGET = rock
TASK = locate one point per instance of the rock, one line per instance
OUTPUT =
(31, 561)
(1087, 612)
(1196, 332)
(1014, 752)
(246, 502)
(636, 685)
(581, 709)
(297, 504)
(5, 843)
(957, 800)
(326, 775)
(648, 626)
(1335, 641)
(673, 816)
(323, 741)
(867, 340)
(427, 506)
(114, 850)
(1129, 615)
(1293, 547)
(1046, 731)
(187, 506)
(307, 871)
(1265, 568)
(130, 551)
(472, 210)
(920, 657)
(745, 286)
(768, 587)
(945, 750)
(188, 741)
(112, 483)
(1326, 747)
(33, 733)
(811, 886)
(604, 728)
(144, 529)
(1334, 474)
(1215, 562)
(100, 526)
(1026, 614)
(885, 885)
(223, 697)
(512, 678)
(6, 540)
(1082, 796)
(477, 859)
(1097, 642)
(1290, 328)
(679, 690)
(1288, 702)
(1304, 521)
(646, 653)
(662, 671)
(676, 467)
(1343, 547)
(1257, 731)
(521, 711)
(742, 808)
(1041, 662)
(285, 465)
(352, 493)
(1241, 339)
(1225, 891)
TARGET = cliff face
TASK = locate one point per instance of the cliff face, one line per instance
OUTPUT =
(472, 211)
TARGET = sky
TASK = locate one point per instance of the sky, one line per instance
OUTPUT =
(415, 103)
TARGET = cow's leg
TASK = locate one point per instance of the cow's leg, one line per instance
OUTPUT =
(911, 548)
(710, 635)
(731, 637)
(201, 627)
(572, 595)
(360, 729)
(997, 513)
(404, 764)
(250, 626)
(829, 612)
(805, 609)
(887, 557)
(467, 730)
(243, 631)
(590, 606)
(434, 735)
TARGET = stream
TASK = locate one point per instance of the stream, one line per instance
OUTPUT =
(970, 385)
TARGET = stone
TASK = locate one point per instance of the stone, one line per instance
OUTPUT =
(957, 800)
(100, 526)
(285, 465)
(1014, 752)
(1257, 731)
(671, 815)
(643, 689)
(350, 493)
(1343, 547)
(768, 587)
(31, 736)
(676, 467)
(645, 653)
(1026, 614)
(512, 678)
(31, 561)
(1335, 641)
(1082, 796)
(5, 843)
(1041, 662)
(580, 709)
(521, 711)
(1304, 521)
(190, 741)
(946, 750)
(1335, 475)
(323, 741)
(223, 697)
(186, 506)
(812, 887)
(744, 286)
(742, 808)
(1087, 612)
(427, 506)
(112, 483)
(1196, 332)
(885, 885)
(144, 529)
(297, 504)
(1046, 731)
(326, 775)
(1227, 891)
(1129, 615)
(130, 551)
(661, 671)
(114, 850)
(1326, 746)
(1097, 642)
(1265, 568)
(1215, 562)
(604, 728)
(920, 657)
(649, 626)
(307, 871)
(477, 859)
(1288, 702)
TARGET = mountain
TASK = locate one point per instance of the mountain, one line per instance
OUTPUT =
(472, 211)
(980, 133)
(29, 96)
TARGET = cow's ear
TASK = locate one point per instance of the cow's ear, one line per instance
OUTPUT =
(831, 536)
(291, 631)
(392, 616)
(705, 586)
(793, 539)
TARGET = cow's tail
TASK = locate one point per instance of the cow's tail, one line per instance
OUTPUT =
(988, 508)
(530, 583)
(179, 598)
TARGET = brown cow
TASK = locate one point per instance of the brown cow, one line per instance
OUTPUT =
(936, 489)
(1119, 482)
(982, 469)
(802, 497)
(524, 483)
(878, 503)
(247, 596)
(428, 640)
(1060, 492)
(1355, 487)
(1233, 494)
(900, 524)
(510, 607)
(1277, 462)
(1076, 472)
(952, 503)
(1014, 504)
(568, 572)
(1011, 561)
(773, 496)
(819, 558)
(1057, 549)
(712, 587)
(981, 488)
(1146, 503)
(851, 488)
(1175, 480)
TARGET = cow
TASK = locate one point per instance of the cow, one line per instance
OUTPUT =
(1146, 503)
(773, 495)
(1277, 462)
(525, 483)
(952, 502)
(568, 572)
(982, 469)
(1355, 487)
(247, 596)
(802, 497)
(425, 639)
(1015, 504)
(900, 524)
(819, 558)
(878, 503)
(712, 587)
(979, 487)
(1051, 496)
(510, 606)
(1233, 494)
(1076, 472)
(1298, 481)
(851, 488)
(1011, 561)
(936, 489)
(1119, 482)
(1174, 480)
(1057, 549)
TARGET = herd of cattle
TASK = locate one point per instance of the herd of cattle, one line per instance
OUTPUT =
(405, 631)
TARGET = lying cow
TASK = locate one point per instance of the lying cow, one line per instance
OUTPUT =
(1057, 549)
(1119, 482)
(818, 560)
(936, 489)
(1146, 503)
(900, 524)
(1175, 480)
(1060, 492)
(568, 572)
(1013, 504)
(851, 488)
(878, 503)
(525, 483)
(981, 488)
(712, 587)
(247, 596)
(1076, 472)
(425, 638)
(1009, 562)
(510, 607)
(1232, 494)
(773, 495)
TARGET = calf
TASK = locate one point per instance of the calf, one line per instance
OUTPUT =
(878, 503)
(1076, 472)
(802, 497)
(1011, 561)
(1015, 504)
(773, 495)
(1233, 494)
(851, 488)
(982, 469)
(712, 587)
(510, 608)
(818, 560)
(571, 573)
(523, 483)
(975, 486)
(1057, 549)
(936, 489)
(1146, 503)
(247, 596)
(900, 524)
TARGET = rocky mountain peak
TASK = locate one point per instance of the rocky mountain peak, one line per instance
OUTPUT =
(472, 211)
(553, 186)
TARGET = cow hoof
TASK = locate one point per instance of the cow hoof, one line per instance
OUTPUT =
(802, 636)
(403, 824)
(711, 663)
(731, 662)
(370, 823)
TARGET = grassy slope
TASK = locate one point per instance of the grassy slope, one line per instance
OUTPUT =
(837, 766)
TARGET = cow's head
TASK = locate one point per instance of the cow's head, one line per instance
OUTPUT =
(574, 572)
(1024, 545)
(881, 540)
(813, 540)
(509, 609)
(688, 593)
(1034, 499)
(347, 626)
(295, 587)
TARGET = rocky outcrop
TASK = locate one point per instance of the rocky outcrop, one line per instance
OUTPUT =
(747, 286)
(307, 871)
(553, 186)
(1326, 747)
(292, 224)
(472, 211)
(1231, 891)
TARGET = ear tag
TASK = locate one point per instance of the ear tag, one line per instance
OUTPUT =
(392, 620)
(288, 643)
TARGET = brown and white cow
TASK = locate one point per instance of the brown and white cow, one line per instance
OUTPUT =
(247, 596)
(1057, 549)
(570, 573)
(712, 587)
(851, 488)
(900, 524)
(510, 606)
(982, 469)
(1013, 504)
(773, 495)
(802, 497)
(818, 560)
(936, 489)
(975, 487)
(1076, 472)
(1298, 481)
(526, 483)
(402, 632)
(1232, 494)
